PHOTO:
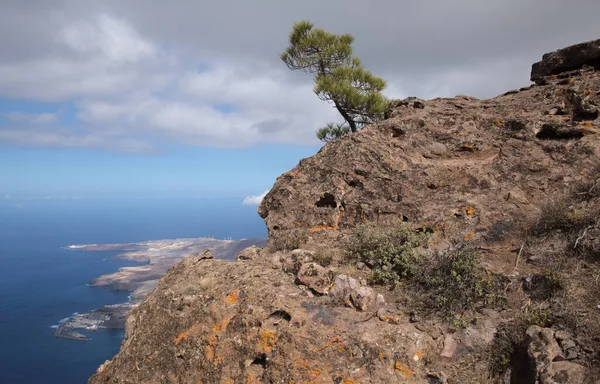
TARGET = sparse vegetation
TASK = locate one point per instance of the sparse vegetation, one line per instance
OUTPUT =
(452, 282)
(392, 253)
(560, 216)
(545, 285)
(509, 345)
(323, 257)
(290, 242)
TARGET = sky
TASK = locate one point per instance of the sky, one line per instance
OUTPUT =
(188, 98)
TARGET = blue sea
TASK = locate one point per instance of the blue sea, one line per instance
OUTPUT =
(42, 283)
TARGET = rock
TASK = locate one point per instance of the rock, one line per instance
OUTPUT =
(547, 363)
(567, 344)
(360, 265)
(571, 354)
(450, 347)
(542, 348)
(205, 255)
(567, 59)
(315, 277)
(342, 286)
(565, 372)
(562, 335)
(363, 298)
(258, 327)
(249, 253)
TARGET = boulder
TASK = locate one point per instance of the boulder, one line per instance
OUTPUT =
(249, 253)
(342, 286)
(547, 361)
(315, 277)
(363, 298)
(567, 59)
(542, 348)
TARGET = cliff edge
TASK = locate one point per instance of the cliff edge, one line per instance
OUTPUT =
(456, 241)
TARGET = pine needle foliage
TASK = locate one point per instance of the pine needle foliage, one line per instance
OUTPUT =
(340, 78)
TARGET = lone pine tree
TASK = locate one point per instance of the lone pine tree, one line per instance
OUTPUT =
(340, 77)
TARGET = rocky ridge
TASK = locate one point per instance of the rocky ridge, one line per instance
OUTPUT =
(512, 178)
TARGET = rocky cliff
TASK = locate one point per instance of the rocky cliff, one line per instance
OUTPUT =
(457, 241)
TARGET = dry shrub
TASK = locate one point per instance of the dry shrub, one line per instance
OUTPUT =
(288, 243)
(323, 257)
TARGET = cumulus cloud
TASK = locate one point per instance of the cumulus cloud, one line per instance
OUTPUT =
(141, 75)
(255, 200)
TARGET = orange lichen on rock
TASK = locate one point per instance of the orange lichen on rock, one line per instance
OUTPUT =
(586, 124)
(470, 210)
(266, 340)
(335, 227)
(418, 356)
(233, 297)
(470, 236)
(218, 328)
(331, 343)
(221, 326)
(320, 228)
(391, 319)
(404, 370)
(498, 122)
(184, 335)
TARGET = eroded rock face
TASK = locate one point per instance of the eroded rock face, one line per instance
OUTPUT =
(567, 59)
(469, 169)
(247, 322)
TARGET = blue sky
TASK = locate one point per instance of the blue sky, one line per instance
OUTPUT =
(189, 98)
(180, 172)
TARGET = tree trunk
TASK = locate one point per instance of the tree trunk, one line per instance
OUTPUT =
(342, 112)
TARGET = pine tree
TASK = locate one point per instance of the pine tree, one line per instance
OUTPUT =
(340, 77)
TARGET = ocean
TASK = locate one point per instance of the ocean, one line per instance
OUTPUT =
(42, 283)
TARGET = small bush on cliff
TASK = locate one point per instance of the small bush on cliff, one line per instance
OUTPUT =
(392, 253)
(323, 257)
(340, 77)
(454, 283)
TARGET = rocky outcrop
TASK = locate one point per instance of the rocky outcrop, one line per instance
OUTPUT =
(567, 59)
(211, 322)
(474, 170)
(467, 171)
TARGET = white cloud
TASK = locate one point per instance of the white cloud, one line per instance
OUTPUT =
(131, 93)
(140, 75)
(108, 36)
(255, 200)
(31, 118)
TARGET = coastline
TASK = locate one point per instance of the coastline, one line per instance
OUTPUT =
(157, 257)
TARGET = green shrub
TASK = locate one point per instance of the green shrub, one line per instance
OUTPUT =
(454, 283)
(391, 252)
